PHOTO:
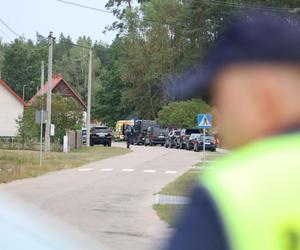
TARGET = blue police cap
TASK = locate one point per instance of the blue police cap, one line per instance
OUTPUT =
(249, 39)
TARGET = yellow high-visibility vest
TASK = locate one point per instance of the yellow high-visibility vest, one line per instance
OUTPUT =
(257, 192)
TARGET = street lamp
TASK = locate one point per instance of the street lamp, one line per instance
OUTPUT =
(24, 91)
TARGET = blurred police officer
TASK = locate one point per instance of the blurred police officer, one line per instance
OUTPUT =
(250, 200)
(129, 136)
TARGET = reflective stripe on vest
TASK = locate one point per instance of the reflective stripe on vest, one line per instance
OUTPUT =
(257, 191)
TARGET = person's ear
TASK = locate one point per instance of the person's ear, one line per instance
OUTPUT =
(268, 98)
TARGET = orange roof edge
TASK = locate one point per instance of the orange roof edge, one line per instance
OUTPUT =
(55, 81)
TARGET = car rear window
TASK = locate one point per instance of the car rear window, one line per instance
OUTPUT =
(192, 131)
(208, 137)
(101, 130)
(194, 136)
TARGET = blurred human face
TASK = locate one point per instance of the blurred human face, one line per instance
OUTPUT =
(238, 106)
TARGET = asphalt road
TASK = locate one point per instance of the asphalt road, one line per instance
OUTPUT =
(110, 200)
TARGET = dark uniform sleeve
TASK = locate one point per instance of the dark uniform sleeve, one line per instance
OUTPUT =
(200, 226)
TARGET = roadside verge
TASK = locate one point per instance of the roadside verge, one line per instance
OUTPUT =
(19, 164)
(172, 199)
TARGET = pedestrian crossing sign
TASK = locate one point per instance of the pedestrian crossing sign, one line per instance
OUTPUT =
(204, 120)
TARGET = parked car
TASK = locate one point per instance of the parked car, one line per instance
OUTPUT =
(210, 143)
(194, 139)
(83, 134)
(185, 134)
(171, 138)
(156, 135)
(101, 135)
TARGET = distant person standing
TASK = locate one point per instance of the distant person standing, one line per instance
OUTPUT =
(129, 136)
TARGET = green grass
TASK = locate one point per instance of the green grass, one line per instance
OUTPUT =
(182, 185)
(19, 164)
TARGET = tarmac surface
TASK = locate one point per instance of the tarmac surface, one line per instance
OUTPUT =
(110, 200)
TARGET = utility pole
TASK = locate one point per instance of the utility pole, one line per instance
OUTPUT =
(48, 123)
(42, 77)
(88, 115)
(23, 96)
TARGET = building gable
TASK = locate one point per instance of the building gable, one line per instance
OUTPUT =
(60, 86)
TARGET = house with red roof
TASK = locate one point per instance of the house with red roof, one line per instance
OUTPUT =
(62, 87)
(11, 108)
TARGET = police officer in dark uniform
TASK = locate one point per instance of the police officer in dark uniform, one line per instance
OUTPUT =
(250, 199)
(129, 136)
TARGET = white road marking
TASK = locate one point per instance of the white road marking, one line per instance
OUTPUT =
(106, 169)
(85, 169)
(128, 170)
(170, 172)
(149, 171)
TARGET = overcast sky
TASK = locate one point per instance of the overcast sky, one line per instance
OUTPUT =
(26, 17)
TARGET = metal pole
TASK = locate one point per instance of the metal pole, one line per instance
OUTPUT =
(42, 78)
(204, 147)
(24, 91)
(88, 115)
(41, 137)
(48, 124)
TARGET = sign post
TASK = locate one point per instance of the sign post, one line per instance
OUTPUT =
(41, 118)
(204, 122)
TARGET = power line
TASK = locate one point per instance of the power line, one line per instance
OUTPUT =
(212, 2)
(110, 12)
(247, 6)
(9, 28)
(85, 6)
(7, 36)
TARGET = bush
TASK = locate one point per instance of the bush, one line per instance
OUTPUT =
(182, 114)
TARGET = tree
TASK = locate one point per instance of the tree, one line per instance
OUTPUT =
(66, 115)
(182, 114)
(110, 103)
(21, 66)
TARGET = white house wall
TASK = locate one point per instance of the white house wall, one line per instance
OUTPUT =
(10, 110)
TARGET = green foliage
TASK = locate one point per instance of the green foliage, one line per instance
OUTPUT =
(156, 39)
(66, 115)
(28, 129)
(21, 66)
(182, 114)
